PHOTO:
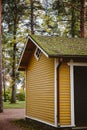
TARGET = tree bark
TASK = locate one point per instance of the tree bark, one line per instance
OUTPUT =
(3, 80)
(1, 103)
(73, 20)
(13, 96)
(32, 17)
(82, 19)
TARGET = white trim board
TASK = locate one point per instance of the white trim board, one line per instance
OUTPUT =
(62, 126)
(72, 95)
(77, 64)
(38, 47)
(56, 63)
(72, 64)
(40, 121)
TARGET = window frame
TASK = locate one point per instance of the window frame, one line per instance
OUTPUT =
(37, 53)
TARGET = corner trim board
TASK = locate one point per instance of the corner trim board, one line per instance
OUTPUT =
(72, 95)
(56, 63)
(72, 92)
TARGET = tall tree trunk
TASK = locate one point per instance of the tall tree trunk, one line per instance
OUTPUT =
(3, 78)
(13, 96)
(1, 103)
(82, 19)
(73, 20)
(32, 16)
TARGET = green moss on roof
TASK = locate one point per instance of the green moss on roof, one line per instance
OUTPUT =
(58, 46)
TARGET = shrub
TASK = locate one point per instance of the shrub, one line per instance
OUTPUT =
(7, 94)
(20, 96)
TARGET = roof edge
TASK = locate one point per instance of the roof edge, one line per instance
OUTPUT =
(67, 56)
(22, 54)
(33, 40)
(36, 44)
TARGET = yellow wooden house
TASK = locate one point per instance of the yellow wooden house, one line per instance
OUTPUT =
(56, 80)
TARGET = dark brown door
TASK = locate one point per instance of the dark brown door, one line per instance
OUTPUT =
(80, 90)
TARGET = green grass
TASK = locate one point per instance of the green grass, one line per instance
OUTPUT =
(18, 104)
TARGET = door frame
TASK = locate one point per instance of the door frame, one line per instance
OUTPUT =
(72, 64)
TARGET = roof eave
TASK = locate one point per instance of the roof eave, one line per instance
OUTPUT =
(42, 50)
(68, 56)
(35, 43)
(22, 55)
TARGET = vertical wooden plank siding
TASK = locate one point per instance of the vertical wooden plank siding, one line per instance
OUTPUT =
(64, 95)
(40, 89)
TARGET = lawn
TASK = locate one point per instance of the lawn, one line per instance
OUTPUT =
(27, 124)
(18, 104)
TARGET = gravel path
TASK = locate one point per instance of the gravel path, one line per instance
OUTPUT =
(7, 116)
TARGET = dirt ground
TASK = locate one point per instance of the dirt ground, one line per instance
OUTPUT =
(7, 116)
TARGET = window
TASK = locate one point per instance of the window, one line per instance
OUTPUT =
(37, 53)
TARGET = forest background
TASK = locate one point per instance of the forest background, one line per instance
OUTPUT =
(65, 18)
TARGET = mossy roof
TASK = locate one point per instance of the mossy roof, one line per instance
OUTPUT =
(55, 46)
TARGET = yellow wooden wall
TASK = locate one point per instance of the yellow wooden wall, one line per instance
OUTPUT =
(40, 89)
(64, 95)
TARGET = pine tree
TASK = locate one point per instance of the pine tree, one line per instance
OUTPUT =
(32, 16)
(1, 104)
(82, 19)
(12, 15)
(73, 12)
